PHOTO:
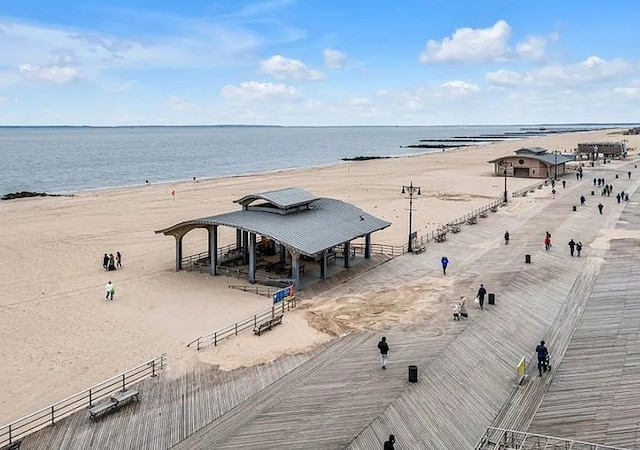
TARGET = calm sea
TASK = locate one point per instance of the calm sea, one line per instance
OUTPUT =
(70, 159)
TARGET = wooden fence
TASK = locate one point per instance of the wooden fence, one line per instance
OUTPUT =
(13, 432)
(532, 188)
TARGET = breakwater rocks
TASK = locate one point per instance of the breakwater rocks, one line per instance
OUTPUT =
(26, 194)
(365, 158)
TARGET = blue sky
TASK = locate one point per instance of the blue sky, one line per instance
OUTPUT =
(312, 62)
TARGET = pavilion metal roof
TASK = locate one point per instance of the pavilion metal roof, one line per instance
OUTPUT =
(547, 158)
(282, 198)
(327, 222)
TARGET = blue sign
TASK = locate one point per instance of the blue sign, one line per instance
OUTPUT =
(283, 294)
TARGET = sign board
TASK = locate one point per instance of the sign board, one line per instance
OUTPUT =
(413, 235)
(283, 294)
(522, 370)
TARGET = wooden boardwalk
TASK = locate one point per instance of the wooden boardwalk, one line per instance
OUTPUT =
(337, 396)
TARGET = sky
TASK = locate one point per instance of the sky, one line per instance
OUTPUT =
(319, 62)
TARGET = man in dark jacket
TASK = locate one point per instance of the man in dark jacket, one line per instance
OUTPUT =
(384, 350)
(543, 356)
(481, 293)
(388, 445)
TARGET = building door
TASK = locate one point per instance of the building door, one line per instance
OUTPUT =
(521, 172)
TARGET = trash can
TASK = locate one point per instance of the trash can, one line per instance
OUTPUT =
(413, 374)
(492, 299)
(527, 259)
(593, 192)
(575, 208)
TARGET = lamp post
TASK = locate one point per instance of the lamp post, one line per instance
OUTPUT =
(411, 190)
(555, 167)
(504, 172)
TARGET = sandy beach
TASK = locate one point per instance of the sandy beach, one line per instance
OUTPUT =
(60, 335)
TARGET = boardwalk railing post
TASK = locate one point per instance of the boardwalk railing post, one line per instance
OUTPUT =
(236, 328)
(10, 434)
(153, 368)
(215, 339)
(124, 385)
(90, 398)
(52, 415)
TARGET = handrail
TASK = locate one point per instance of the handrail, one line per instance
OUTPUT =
(525, 190)
(258, 290)
(38, 420)
(232, 330)
(501, 438)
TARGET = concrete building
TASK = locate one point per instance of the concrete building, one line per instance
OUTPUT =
(593, 150)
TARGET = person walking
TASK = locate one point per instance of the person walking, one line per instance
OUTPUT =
(105, 262)
(600, 206)
(547, 241)
(578, 247)
(445, 262)
(463, 307)
(112, 262)
(582, 200)
(110, 291)
(629, 174)
(481, 293)
(118, 260)
(572, 246)
(384, 351)
(564, 183)
(506, 238)
(389, 444)
(543, 355)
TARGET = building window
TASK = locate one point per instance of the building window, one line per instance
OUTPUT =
(521, 161)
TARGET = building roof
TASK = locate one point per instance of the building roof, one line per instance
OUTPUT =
(281, 198)
(534, 150)
(539, 154)
(325, 223)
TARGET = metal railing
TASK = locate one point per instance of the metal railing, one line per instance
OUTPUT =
(500, 439)
(525, 190)
(255, 289)
(38, 420)
(251, 322)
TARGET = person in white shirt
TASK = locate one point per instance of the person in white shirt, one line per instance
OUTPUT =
(110, 290)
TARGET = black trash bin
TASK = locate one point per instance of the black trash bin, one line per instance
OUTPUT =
(413, 374)
(593, 193)
(492, 299)
(527, 259)
(575, 208)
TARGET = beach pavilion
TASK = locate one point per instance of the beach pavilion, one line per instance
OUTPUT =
(289, 221)
(532, 162)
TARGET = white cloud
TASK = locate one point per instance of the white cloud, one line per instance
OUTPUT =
(591, 70)
(627, 91)
(469, 45)
(532, 48)
(52, 74)
(461, 87)
(334, 59)
(255, 90)
(288, 69)
(181, 104)
(359, 101)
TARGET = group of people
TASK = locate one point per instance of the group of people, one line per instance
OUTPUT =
(110, 262)
(575, 247)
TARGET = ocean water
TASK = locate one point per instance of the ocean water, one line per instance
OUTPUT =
(71, 159)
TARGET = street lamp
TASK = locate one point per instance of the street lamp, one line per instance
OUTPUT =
(555, 167)
(504, 172)
(411, 190)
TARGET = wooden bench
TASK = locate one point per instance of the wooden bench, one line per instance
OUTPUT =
(454, 228)
(267, 324)
(440, 237)
(472, 220)
(114, 402)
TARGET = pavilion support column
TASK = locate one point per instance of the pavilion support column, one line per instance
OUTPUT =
(245, 247)
(367, 246)
(179, 253)
(238, 239)
(252, 258)
(323, 265)
(282, 253)
(213, 250)
(347, 255)
(295, 268)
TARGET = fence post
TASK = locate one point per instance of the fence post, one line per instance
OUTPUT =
(52, 415)
(273, 312)
(90, 398)
(215, 339)
(236, 328)
(153, 368)
(283, 307)
(10, 434)
(124, 385)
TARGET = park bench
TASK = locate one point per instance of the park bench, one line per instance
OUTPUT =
(267, 324)
(454, 228)
(440, 237)
(472, 220)
(483, 215)
(114, 402)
